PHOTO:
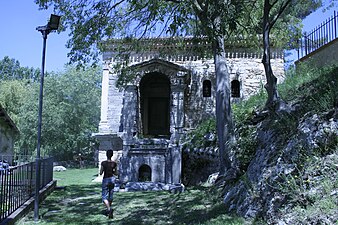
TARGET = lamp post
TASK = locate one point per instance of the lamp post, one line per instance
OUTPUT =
(53, 24)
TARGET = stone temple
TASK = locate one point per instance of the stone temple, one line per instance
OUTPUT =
(170, 89)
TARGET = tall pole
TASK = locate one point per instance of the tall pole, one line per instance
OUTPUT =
(53, 24)
(37, 160)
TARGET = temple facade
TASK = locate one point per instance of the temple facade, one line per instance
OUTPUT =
(171, 88)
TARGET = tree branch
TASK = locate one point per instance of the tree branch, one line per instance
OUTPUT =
(114, 6)
(280, 12)
(198, 6)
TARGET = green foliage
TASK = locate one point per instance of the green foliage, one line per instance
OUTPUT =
(70, 112)
(246, 145)
(14, 94)
(287, 29)
(244, 110)
(91, 23)
(310, 189)
(203, 136)
(315, 87)
(10, 69)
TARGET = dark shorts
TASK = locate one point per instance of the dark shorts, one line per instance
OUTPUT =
(108, 188)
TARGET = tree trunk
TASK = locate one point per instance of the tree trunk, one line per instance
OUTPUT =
(224, 123)
(271, 85)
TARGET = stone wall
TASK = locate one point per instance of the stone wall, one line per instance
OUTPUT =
(323, 56)
(248, 71)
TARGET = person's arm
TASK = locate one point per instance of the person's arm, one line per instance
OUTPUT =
(115, 172)
(101, 169)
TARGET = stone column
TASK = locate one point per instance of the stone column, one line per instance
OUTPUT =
(176, 155)
(130, 114)
(103, 125)
(115, 105)
(174, 158)
(177, 110)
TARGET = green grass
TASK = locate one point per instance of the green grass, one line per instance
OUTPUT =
(80, 203)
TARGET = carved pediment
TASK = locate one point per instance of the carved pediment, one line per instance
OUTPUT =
(172, 70)
(161, 66)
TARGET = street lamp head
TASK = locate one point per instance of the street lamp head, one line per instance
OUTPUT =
(54, 22)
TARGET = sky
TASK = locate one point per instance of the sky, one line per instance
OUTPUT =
(20, 40)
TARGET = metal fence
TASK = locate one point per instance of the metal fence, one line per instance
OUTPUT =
(16, 159)
(319, 36)
(17, 185)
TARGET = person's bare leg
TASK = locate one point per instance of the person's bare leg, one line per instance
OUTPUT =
(107, 204)
(110, 210)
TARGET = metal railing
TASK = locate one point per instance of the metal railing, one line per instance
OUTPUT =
(326, 32)
(17, 185)
(16, 159)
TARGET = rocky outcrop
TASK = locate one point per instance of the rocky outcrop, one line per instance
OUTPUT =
(276, 177)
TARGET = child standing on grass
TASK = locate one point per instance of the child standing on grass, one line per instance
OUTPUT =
(109, 170)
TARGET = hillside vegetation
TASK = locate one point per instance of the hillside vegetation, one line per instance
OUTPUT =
(285, 164)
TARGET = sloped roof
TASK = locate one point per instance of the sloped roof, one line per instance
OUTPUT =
(6, 118)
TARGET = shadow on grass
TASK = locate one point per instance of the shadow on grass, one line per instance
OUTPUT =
(81, 204)
(190, 207)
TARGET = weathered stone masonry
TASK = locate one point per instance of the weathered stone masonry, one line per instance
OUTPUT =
(170, 94)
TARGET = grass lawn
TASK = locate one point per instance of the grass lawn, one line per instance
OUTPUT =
(80, 203)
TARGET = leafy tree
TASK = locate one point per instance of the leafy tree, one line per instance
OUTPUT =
(10, 69)
(13, 95)
(70, 112)
(91, 22)
(273, 11)
(19, 98)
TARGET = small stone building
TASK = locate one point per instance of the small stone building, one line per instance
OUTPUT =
(8, 133)
(171, 89)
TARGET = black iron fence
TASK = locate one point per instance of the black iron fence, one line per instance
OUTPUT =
(319, 36)
(17, 184)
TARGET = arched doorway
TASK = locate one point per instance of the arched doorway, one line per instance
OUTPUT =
(155, 101)
(144, 173)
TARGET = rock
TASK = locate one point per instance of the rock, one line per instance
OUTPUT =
(59, 168)
(153, 186)
(258, 193)
(211, 179)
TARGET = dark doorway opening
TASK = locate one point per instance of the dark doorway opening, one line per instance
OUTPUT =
(155, 101)
(207, 88)
(235, 89)
(144, 173)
